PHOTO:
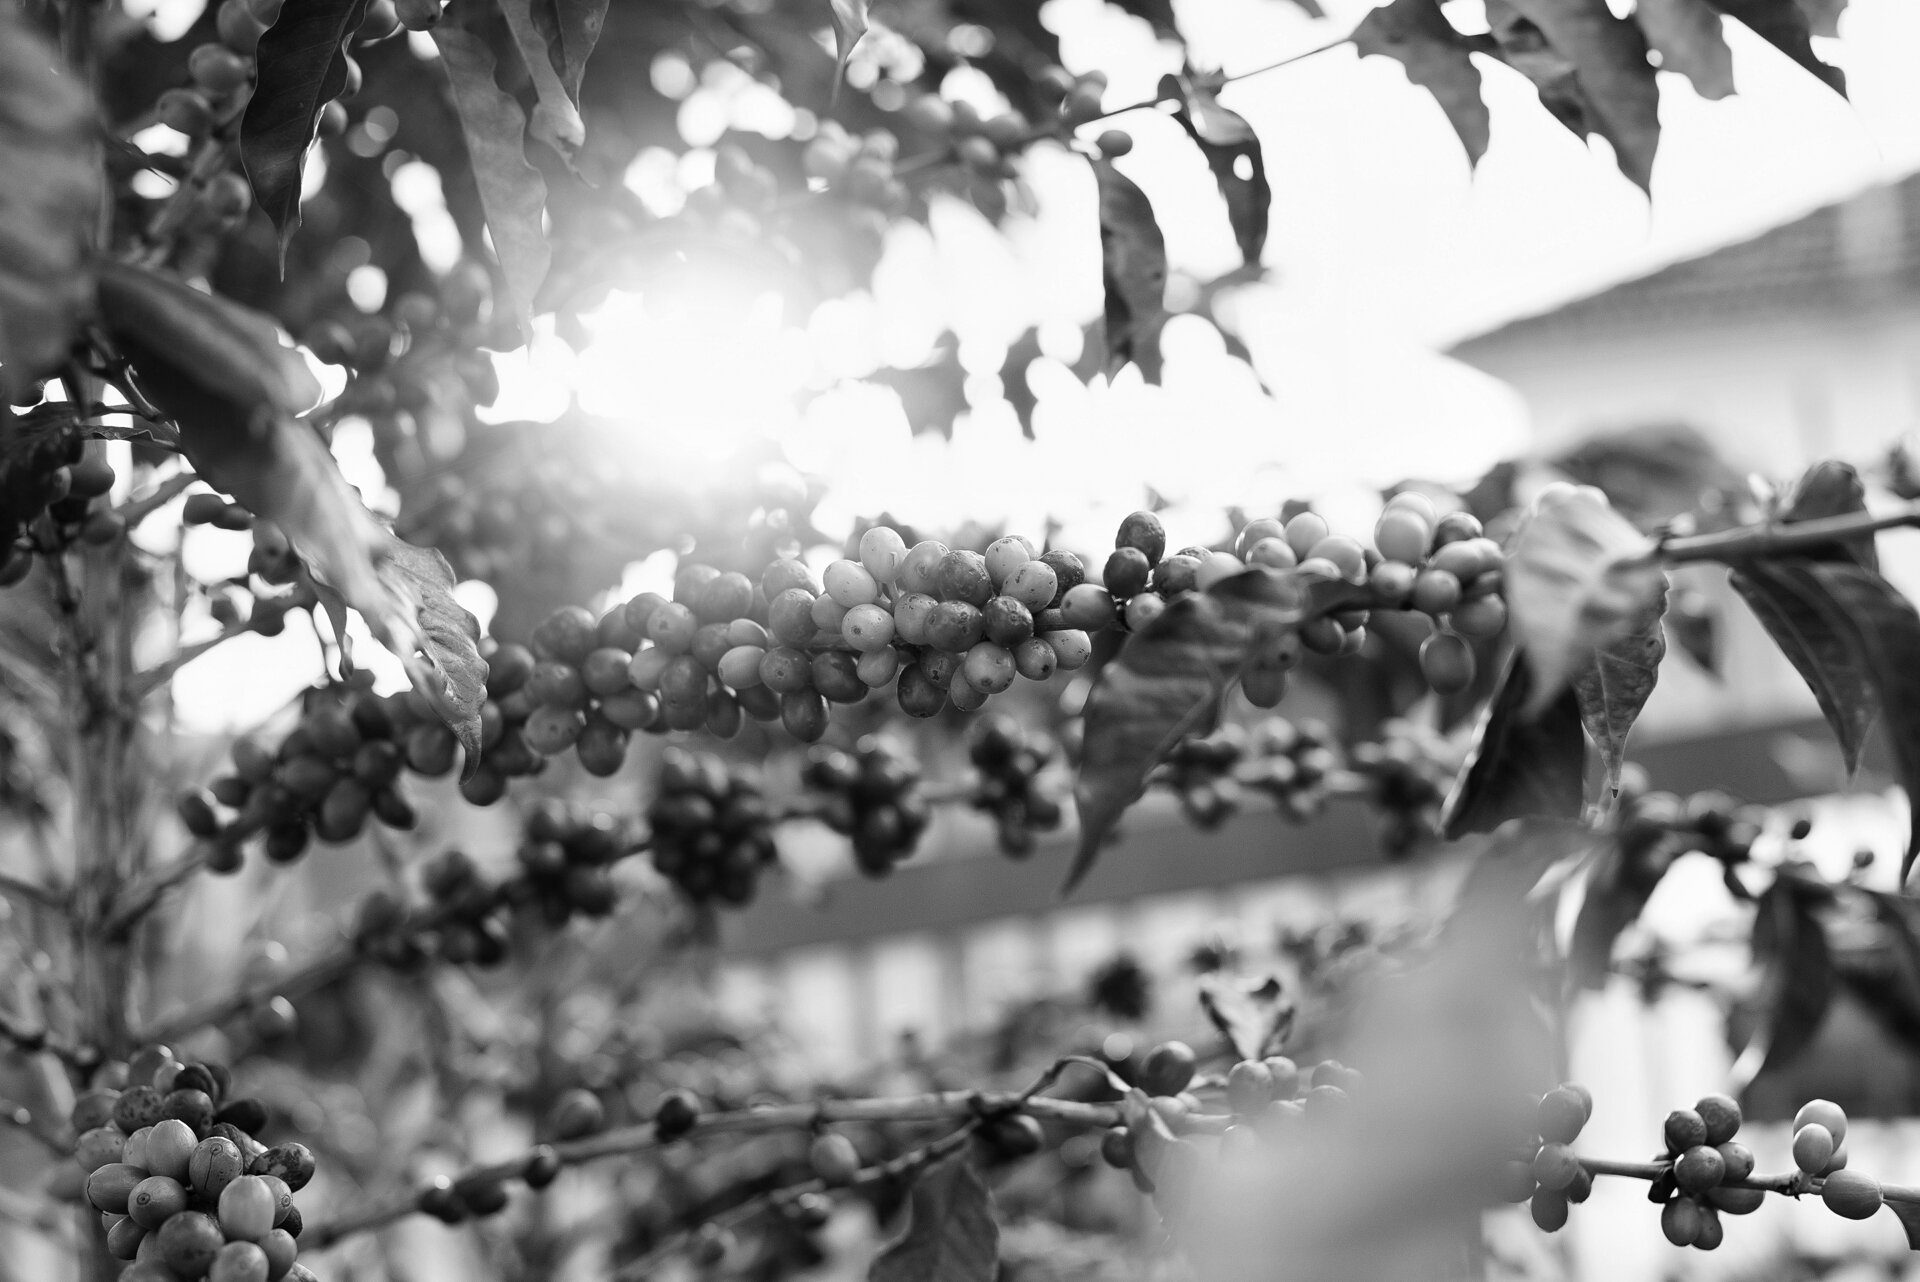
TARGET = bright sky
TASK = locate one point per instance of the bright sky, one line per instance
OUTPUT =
(1383, 248)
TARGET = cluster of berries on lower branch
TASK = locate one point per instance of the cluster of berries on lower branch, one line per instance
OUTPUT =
(183, 1187)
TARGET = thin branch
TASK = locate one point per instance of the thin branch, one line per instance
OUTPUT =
(1774, 538)
(48, 897)
(137, 898)
(136, 510)
(145, 683)
(1150, 103)
(317, 973)
(942, 1106)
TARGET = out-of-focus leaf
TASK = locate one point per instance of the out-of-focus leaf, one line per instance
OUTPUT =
(49, 204)
(1515, 878)
(1618, 886)
(1609, 56)
(1165, 684)
(950, 1236)
(1521, 765)
(1578, 576)
(1616, 682)
(1157, 13)
(1826, 489)
(1519, 43)
(1823, 16)
(570, 29)
(1254, 1015)
(1133, 256)
(512, 192)
(1688, 37)
(1232, 152)
(556, 120)
(1885, 974)
(1908, 1213)
(1650, 473)
(1436, 57)
(219, 371)
(299, 67)
(1785, 25)
(1790, 948)
(849, 24)
(1693, 622)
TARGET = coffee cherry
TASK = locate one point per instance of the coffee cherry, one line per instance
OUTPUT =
(170, 1146)
(1447, 662)
(1033, 584)
(1549, 1210)
(882, 552)
(1555, 1166)
(1435, 592)
(247, 1208)
(1711, 1233)
(1851, 1194)
(989, 668)
(1071, 647)
(920, 570)
(215, 1163)
(1812, 1147)
(542, 1168)
(1561, 1115)
(100, 1146)
(804, 715)
(1683, 1130)
(1402, 534)
(1823, 1112)
(675, 1114)
(577, 1113)
(239, 1262)
(963, 576)
(155, 1200)
(1142, 530)
(189, 1243)
(834, 1159)
(1737, 1201)
(850, 583)
(218, 70)
(1680, 1221)
(1127, 571)
(1455, 527)
(292, 1163)
(1483, 617)
(1167, 1069)
(1699, 1169)
(1738, 1159)
(918, 695)
(1721, 1113)
(1249, 1086)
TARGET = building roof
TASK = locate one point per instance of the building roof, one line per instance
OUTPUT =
(1855, 254)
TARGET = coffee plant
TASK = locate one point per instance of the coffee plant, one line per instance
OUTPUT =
(216, 272)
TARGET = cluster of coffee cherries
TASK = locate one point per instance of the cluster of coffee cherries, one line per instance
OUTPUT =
(1291, 762)
(183, 1188)
(1409, 769)
(221, 72)
(1009, 760)
(1710, 822)
(338, 767)
(712, 829)
(871, 795)
(1820, 1151)
(566, 856)
(1545, 1173)
(57, 475)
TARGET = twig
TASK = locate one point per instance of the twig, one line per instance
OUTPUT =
(1773, 538)
(34, 893)
(145, 683)
(943, 1106)
(137, 898)
(39, 1041)
(317, 973)
(136, 510)
(1150, 103)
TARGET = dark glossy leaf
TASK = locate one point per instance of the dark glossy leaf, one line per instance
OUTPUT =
(49, 204)
(1687, 35)
(1809, 629)
(570, 29)
(556, 118)
(1254, 1015)
(1790, 948)
(1578, 575)
(1521, 766)
(1908, 1213)
(950, 1236)
(1609, 57)
(1508, 886)
(1167, 683)
(300, 66)
(1232, 152)
(1885, 972)
(1786, 26)
(447, 668)
(1616, 682)
(512, 192)
(1693, 624)
(1133, 256)
(1437, 58)
(1826, 489)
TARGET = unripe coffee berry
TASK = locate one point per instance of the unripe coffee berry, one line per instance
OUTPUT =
(1851, 1194)
(1699, 1169)
(834, 1159)
(1167, 1068)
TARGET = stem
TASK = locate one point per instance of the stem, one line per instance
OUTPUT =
(145, 683)
(1224, 81)
(1771, 538)
(317, 973)
(943, 1106)
(28, 892)
(138, 897)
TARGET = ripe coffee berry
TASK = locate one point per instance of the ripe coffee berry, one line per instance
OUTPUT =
(1167, 1069)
